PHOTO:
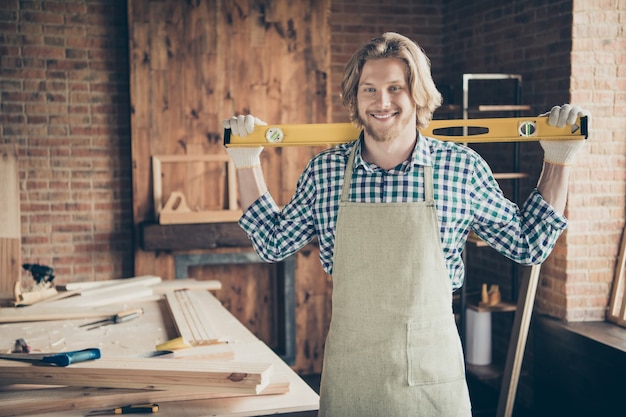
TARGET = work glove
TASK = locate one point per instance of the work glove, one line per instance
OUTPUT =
(562, 152)
(242, 126)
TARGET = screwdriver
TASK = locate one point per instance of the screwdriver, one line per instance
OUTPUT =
(128, 409)
(59, 359)
(120, 317)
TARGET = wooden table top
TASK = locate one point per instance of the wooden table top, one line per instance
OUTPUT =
(134, 339)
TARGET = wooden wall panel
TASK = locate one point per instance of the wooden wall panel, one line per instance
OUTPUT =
(192, 64)
(313, 310)
(10, 221)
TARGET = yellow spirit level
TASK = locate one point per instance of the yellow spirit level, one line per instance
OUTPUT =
(512, 129)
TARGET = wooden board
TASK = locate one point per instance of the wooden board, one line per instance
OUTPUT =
(10, 233)
(617, 305)
(145, 373)
(159, 288)
(63, 399)
(189, 308)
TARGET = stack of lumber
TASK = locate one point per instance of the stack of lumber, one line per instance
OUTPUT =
(212, 369)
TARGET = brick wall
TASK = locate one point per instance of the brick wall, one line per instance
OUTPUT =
(584, 268)
(64, 100)
(355, 22)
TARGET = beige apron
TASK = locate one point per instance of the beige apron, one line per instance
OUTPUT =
(392, 348)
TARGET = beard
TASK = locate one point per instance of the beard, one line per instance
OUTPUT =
(386, 133)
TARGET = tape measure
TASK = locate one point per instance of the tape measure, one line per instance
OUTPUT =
(511, 129)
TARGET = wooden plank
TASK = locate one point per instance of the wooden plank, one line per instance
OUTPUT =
(517, 345)
(14, 401)
(617, 305)
(10, 222)
(115, 284)
(145, 373)
(176, 211)
(187, 237)
(9, 184)
(187, 284)
(217, 351)
(189, 309)
(10, 261)
(125, 290)
(50, 312)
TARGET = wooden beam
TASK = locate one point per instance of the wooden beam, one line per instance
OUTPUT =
(186, 237)
(617, 305)
(49, 312)
(160, 288)
(10, 229)
(517, 344)
(15, 401)
(145, 373)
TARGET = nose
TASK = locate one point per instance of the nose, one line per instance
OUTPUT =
(383, 98)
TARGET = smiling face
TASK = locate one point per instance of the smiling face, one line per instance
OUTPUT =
(385, 106)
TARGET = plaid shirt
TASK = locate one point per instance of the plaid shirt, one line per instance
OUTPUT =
(467, 198)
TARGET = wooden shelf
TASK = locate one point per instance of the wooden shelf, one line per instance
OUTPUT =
(502, 107)
(510, 175)
(501, 307)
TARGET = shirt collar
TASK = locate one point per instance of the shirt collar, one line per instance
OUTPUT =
(420, 156)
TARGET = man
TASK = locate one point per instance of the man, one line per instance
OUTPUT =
(391, 212)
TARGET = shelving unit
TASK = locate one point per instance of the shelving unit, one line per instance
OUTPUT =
(511, 109)
(507, 374)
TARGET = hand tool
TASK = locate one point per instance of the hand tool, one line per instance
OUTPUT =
(41, 273)
(505, 129)
(120, 317)
(127, 409)
(22, 347)
(43, 288)
(58, 359)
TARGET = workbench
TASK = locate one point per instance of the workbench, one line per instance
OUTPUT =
(131, 340)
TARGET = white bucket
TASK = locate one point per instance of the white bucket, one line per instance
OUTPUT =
(478, 337)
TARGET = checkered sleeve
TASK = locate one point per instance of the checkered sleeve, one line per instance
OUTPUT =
(275, 233)
(525, 235)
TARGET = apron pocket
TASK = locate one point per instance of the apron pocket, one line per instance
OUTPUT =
(434, 351)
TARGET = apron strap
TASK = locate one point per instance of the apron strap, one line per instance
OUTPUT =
(347, 179)
(429, 194)
(345, 191)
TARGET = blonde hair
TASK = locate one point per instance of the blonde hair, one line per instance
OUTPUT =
(421, 85)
